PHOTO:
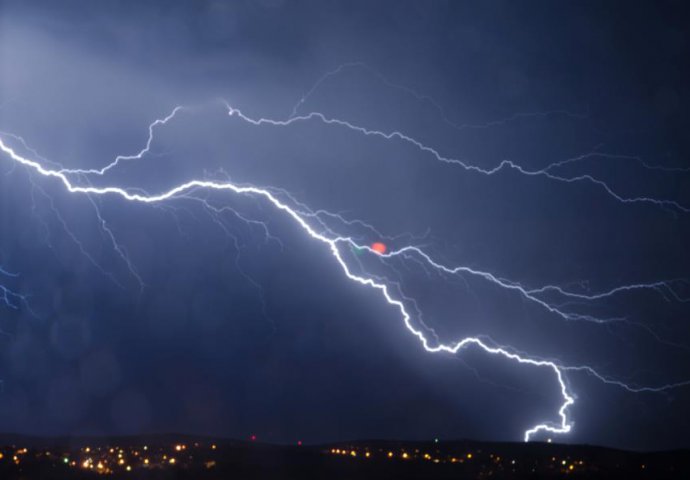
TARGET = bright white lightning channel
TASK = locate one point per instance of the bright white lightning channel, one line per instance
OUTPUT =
(563, 426)
(334, 243)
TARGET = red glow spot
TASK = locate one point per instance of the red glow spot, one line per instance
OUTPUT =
(253, 438)
(379, 247)
(299, 443)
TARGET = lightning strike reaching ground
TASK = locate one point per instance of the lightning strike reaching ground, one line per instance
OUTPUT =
(338, 244)
(333, 244)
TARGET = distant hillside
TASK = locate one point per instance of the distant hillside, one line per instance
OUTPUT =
(199, 457)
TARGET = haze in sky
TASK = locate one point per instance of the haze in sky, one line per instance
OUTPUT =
(398, 177)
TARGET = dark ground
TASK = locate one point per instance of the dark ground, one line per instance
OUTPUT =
(150, 457)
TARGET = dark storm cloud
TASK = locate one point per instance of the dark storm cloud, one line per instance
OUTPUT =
(298, 351)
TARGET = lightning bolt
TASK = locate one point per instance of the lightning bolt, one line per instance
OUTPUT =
(8, 296)
(547, 172)
(339, 245)
(106, 231)
(421, 97)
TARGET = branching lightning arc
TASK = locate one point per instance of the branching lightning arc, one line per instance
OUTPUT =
(311, 222)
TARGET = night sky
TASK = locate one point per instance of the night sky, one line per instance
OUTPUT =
(541, 145)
